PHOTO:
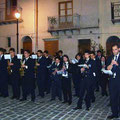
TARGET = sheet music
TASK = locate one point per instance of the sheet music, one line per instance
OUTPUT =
(20, 56)
(60, 72)
(74, 61)
(7, 56)
(109, 72)
(34, 56)
(82, 65)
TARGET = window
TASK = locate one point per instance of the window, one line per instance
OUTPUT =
(9, 41)
(115, 11)
(11, 6)
(1, 15)
(65, 12)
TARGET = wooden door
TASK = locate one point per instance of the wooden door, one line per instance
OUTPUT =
(27, 46)
(51, 46)
(83, 45)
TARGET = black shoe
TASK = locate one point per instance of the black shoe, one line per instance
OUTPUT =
(112, 117)
(17, 98)
(60, 99)
(42, 96)
(97, 90)
(23, 99)
(38, 95)
(93, 101)
(13, 97)
(52, 99)
(109, 105)
(106, 94)
(33, 100)
(75, 95)
(87, 109)
(47, 92)
(64, 101)
(70, 102)
(77, 108)
(5, 96)
(1, 95)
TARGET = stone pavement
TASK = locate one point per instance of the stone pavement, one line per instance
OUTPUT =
(44, 109)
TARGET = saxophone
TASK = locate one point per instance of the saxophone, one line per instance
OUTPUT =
(22, 70)
(9, 68)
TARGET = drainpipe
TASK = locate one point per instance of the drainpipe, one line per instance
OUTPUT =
(36, 25)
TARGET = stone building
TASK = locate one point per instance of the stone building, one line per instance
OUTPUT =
(70, 25)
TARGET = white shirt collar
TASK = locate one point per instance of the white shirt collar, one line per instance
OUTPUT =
(40, 57)
(1, 55)
(87, 59)
(116, 55)
(58, 64)
(27, 58)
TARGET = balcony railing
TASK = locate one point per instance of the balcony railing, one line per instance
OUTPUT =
(72, 22)
(61, 23)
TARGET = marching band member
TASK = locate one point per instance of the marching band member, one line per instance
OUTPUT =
(41, 73)
(28, 78)
(99, 67)
(113, 64)
(93, 86)
(3, 75)
(66, 80)
(60, 54)
(76, 74)
(15, 74)
(56, 88)
(47, 79)
(88, 76)
(104, 78)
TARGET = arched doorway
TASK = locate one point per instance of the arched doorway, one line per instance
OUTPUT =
(110, 41)
(27, 43)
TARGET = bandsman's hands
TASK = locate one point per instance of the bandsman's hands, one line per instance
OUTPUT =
(37, 64)
(23, 66)
(114, 63)
(10, 64)
(82, 69)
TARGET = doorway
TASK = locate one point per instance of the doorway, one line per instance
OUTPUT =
(83, 44)
(27, 43)
(110, 41)
(51, 46)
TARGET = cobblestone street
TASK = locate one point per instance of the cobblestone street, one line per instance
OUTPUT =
(44, 109)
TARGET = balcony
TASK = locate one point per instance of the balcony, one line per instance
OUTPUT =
(63, 23)
(71, 23)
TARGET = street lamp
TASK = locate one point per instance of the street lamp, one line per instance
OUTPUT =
(17, 15)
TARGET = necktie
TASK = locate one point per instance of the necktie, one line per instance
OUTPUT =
(0, 57)
(25, 60)
(11, 60)
(116, 58)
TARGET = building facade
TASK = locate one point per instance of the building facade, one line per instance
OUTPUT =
(70, 25)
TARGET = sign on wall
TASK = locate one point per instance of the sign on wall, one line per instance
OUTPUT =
(115, 12)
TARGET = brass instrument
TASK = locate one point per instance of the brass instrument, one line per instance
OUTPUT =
(22, 72)
(9, 68)
(36, 62)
